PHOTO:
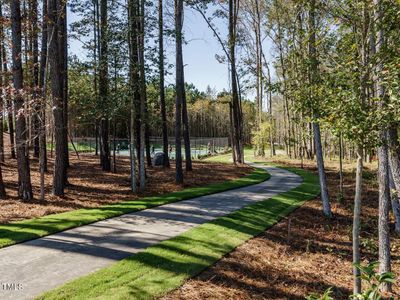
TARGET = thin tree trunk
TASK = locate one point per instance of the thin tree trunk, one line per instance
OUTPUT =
(9, 106)
(394, 159)
(394, 197)
(182, 93)
(180, 90)
(321, 171)
(96, 138)
(237, 113)
(114, 147)
(341, 188)
(142, 88)
(95, 69)
(384, 209)
(2, 94)
(56, 67)
(271, 117)
(103, 88)
(134, 82)
(42, 80)
(357, 221)
(63, 56)
(33, 11)
(24, 176)
(186, 131)
(317, 132)
(232, 134)
(162, 84)
(383, 169)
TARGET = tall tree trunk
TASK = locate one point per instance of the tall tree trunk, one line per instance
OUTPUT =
(103, 88)
(394, 198)
(271, 117)
(232, 134)
(180, 90)
(143, 117)
(383, 155)
(186, 129)
(237, 112)
(364, 76)
(162, 83)
(7, 98)
(24, 176)
(394, 159)
(42, 105)
(2, 92)
(56, 70)
(33, 12)
(357, 221)
(95, 70)
(317, 132)
(63, 56)
(42, 80)
(341, 179)
(114, 146)
(3, 83)
(384, 209)
(134, 84)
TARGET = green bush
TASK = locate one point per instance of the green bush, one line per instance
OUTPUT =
(374, 282)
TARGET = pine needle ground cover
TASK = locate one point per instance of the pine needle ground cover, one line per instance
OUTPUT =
(90, 187)
(21, 231)
(165, 266)
(304, 253)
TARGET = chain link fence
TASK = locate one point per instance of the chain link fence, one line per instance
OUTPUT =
(200, 147)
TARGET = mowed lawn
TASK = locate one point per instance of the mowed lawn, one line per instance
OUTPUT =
(21, 231)
(165, 266)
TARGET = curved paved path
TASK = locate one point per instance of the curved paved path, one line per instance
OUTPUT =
(43, 264)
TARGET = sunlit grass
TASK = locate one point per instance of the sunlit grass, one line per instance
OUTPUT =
(165, 266)
(21, 231)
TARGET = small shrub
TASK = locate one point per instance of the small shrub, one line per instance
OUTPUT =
(374, 281)
(325, 296)
(369, 245)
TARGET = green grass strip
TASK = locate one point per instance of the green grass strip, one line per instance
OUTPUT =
(165, 266)
(22, 231)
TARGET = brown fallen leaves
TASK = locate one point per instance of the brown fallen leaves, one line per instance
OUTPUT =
(290, 262)
(90, 187)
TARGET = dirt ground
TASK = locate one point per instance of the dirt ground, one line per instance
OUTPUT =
(90, 187)
(302, 254)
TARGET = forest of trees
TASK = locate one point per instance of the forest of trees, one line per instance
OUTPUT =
(324, 75)
(55, 95)
(337, 79)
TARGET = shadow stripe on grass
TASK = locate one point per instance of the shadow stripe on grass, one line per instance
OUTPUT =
(22, 231)
(165, 266)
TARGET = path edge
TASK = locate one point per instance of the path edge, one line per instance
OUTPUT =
(26, 230)
(149, 279)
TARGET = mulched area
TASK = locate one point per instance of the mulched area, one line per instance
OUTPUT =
(90, 187)
(302, 254)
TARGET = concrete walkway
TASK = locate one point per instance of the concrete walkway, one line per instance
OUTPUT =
(31, 268)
